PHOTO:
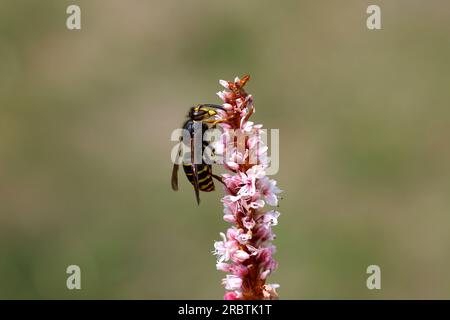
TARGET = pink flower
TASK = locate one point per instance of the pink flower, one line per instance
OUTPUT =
(248, 184)
(247, 244)
(269, 190)
(229, 217)
(264, 274)
(230, 296)
(244, 237)
(232, 282)
(231, 200)
(253, 203)
(240, 256)
(239, 270)
(233, 183)
(224, 249)
(222, 266)
(229, 210)
(224, 84)
(270, 292)
(248, 223)
(271, 217)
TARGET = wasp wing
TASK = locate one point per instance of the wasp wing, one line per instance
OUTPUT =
(174, 179)
(195, 173)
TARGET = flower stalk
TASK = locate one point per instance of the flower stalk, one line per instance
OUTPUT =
(245, 251)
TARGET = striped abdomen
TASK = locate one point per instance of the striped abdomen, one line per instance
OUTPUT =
(204, 173)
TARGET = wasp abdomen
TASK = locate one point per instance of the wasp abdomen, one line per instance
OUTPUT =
(204, 174)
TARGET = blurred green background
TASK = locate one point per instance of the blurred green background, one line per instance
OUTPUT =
(85, 124)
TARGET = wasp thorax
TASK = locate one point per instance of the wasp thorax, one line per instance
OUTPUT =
(201, 112)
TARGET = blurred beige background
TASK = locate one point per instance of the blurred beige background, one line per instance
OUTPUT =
(85, 123)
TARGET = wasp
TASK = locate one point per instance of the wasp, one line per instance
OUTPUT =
(199, 175)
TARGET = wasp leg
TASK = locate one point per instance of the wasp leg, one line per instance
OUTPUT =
(214, 122)
(218, 178)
